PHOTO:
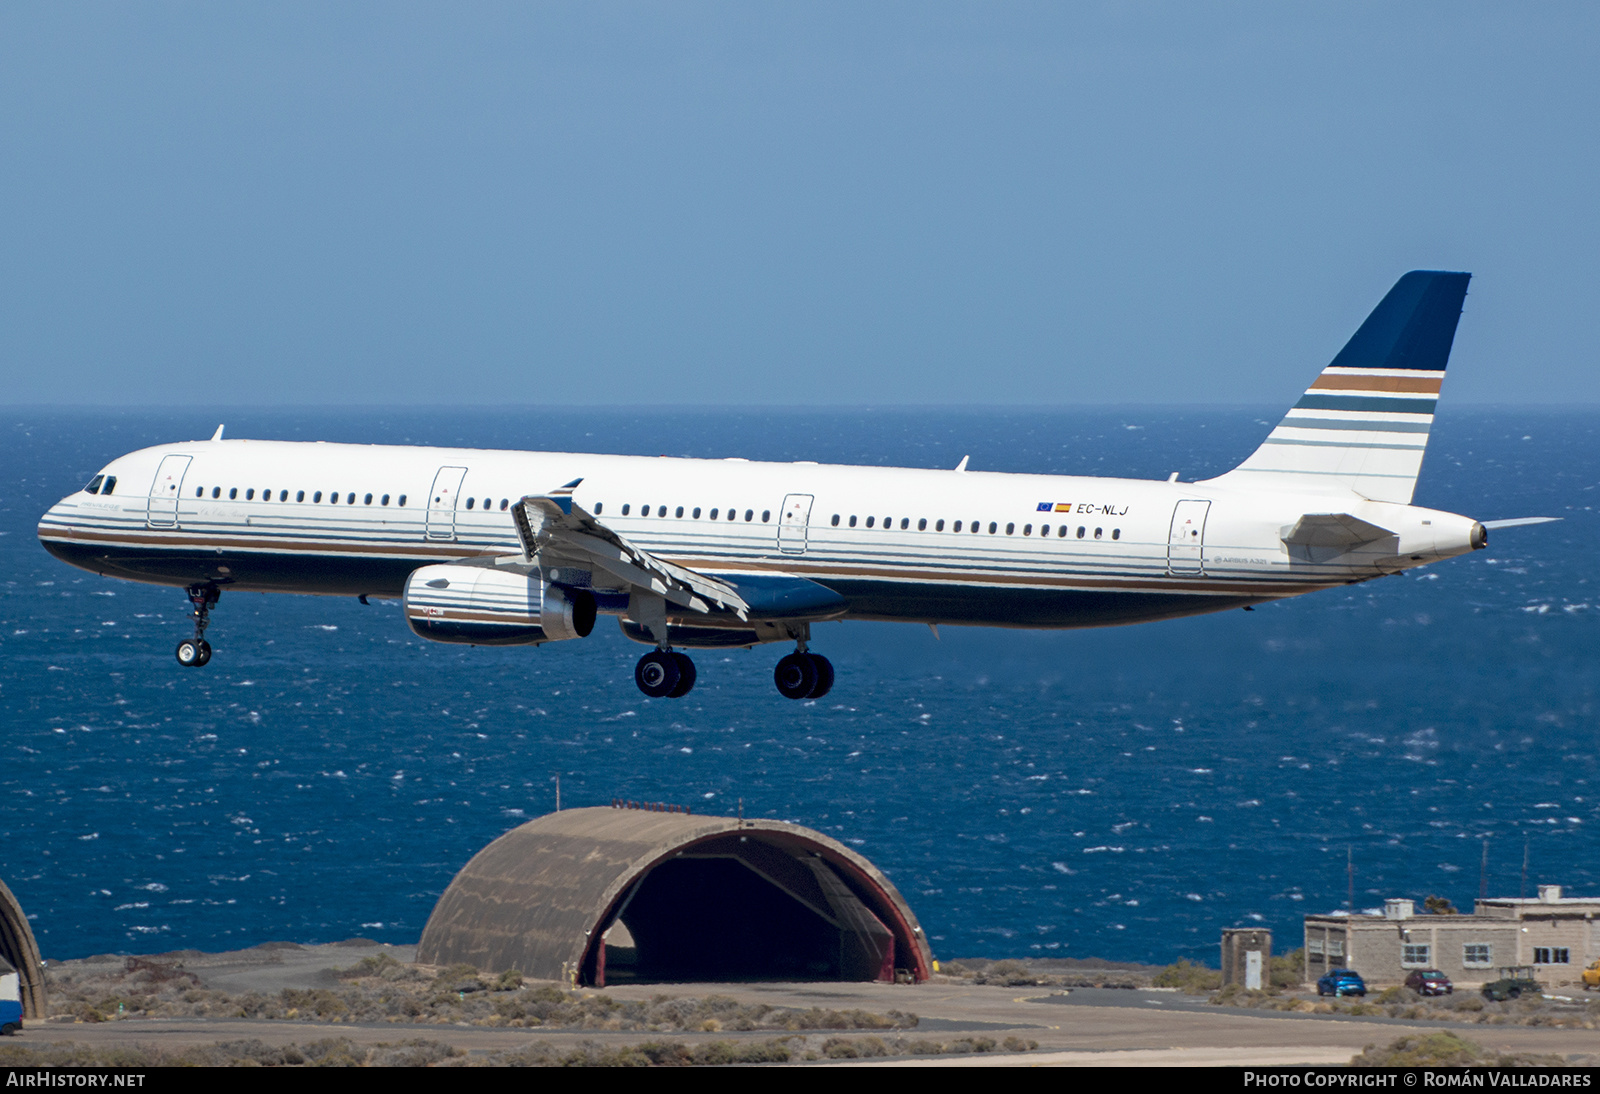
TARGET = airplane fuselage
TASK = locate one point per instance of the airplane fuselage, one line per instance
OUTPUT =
(930, 546)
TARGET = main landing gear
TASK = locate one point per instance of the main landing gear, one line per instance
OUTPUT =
(196, 651)
(803, 675)
(665, 674)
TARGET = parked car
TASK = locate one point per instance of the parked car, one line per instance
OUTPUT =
(1342, 982)
(1514, 981)
(10, 1000)
(1430, 982)
(1591, 976)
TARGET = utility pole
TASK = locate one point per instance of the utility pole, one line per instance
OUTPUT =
(1350, 876)
(1522, 894)
(1483, 874)
(557, 777)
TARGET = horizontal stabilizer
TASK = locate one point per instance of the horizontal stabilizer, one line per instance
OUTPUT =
(1333, 530)
(1517, 522)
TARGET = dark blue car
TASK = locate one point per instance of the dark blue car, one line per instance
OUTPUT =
(1342, 982)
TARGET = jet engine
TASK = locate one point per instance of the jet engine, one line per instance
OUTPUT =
(488, 606)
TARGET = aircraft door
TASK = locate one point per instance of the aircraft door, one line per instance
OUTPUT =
(792, 523)
(1187, 538)
(442, 502)
(165, 490)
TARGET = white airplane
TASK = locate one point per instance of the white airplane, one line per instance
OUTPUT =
(484, 547)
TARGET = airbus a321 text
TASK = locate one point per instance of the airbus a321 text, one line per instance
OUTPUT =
(523, 548)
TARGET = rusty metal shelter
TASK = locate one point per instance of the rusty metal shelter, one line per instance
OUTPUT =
(21, 952)
(591, 895)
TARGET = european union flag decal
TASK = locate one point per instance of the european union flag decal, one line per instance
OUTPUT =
(1044, 507)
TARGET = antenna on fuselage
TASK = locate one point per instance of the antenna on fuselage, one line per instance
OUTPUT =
(962, 466)
(217, 436)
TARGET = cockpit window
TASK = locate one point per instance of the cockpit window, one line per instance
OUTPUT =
(111, 484)
(94, 485)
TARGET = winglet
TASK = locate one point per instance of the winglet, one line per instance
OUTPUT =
(217, 436)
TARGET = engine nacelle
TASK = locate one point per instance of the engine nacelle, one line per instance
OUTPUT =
(487, 606)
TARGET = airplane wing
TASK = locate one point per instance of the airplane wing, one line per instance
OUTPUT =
(1333, 530)
(1518, 522)
(556, 530)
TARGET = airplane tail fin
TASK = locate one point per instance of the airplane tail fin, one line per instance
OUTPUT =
(1362, 427)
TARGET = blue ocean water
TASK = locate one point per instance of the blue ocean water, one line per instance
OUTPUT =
(1117, 793)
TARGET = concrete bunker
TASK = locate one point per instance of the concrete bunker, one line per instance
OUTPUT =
(602, 895)
(19, 949)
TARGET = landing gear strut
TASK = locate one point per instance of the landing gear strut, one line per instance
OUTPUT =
(196, 651)
(665, 674)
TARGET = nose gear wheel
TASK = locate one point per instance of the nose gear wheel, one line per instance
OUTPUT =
(196, 651)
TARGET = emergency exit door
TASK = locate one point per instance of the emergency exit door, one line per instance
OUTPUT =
(792, 522)
(1187, 540)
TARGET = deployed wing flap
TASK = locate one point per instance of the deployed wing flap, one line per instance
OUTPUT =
(554, 524)
(1333, 530)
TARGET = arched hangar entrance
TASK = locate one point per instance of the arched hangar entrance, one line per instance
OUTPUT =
(602, 895)
(20, 951)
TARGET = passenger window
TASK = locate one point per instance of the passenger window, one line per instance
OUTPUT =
(939, 527)
(233, 493)
(714, 513)
(299, 495)
(870, 520)
(351, 500)
(199, 491)
(766, 515)
(283, 495)
(1027, 529)
(470, 501)
(368, 500)
(993, 527)
(317, 496)
(1081, 530)
(385, 500)
(922, 524)
(853, 520)
(888, 522)
(696, 513)
(505, 503)
(1097, 532)
(749, 515)
(957, 527)
(1010, 528)
(1062, 531)
(1044, 529)
(836, 520)
(1116, 533)
(94, 485)
(249, 495)
(624, 510)
(402, 499)
(111, 484)
(678, 512)
(732, 513)
(661, 510)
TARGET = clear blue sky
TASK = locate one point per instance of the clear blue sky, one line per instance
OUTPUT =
(769, 203)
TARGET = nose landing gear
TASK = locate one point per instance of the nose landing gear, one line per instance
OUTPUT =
(196, 651)
(665, 674)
